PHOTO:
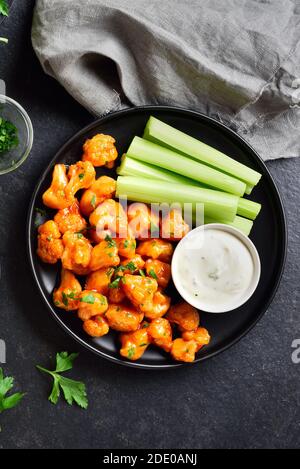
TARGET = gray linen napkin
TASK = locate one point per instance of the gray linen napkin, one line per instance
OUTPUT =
(235, 60)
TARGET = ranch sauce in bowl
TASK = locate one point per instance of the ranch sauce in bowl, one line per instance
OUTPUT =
(216, 268)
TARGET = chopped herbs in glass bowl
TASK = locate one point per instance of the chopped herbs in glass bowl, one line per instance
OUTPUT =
(16, 135)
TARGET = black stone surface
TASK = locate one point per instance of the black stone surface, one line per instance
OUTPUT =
(249, 397)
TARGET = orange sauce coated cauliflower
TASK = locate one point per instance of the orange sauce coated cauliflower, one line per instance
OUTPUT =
(50, 246)
(158, 307)
(139, 290)
(100, 151)
(91, 304)
(173, 226)
(109, 218)
(200, 336)
(123, 318)
(134, 344)
(100, 280)
(70, 219)
(142, 220)
(77, 253)
(105, 254)
(56, 197)
(160, 332)
(183, 351)
(185, 316)
(156, 249)
(81, 176)
(160, 271)
(96, 327)
(67, 295)
(102, 189)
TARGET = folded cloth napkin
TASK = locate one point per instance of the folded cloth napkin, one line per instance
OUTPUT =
(235, 60)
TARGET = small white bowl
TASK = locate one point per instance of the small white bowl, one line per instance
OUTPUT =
(194, 300)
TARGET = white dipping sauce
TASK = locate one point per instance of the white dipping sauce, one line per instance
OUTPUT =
(215, 270)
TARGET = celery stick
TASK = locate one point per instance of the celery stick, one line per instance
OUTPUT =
(163, 134)
(248, 209)
(131, 167)
(242, 224)
(217, 204)
(148, 152)
(249, 189)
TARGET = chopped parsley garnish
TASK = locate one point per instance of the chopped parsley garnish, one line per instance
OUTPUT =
(93, 201)
(115, 283)
(142, 273)
(153, 274)
(89, 299)
(131, 352)
(81, 176)
(131, 266)
(110, 242)
(126, 243)
(68, 296)
(79, 235)
(8, 135)
(41, 212)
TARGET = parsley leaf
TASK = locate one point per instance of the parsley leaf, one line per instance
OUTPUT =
(74, 391)
(6, 384)
(89, 299)
(115, 283)
(153, 274)
(4, 8)
(110, 242)
(93, 201)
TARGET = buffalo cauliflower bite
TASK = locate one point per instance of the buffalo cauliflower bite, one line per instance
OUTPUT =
(156, 249)
(160, 271)
(133, 265)
(109, 218)
(160, 332)
(105, 254)
(91, 304)
(100, 280)
(123, 318)
(142, 220)
(69, 219)
(56, 197)
(96, 326)
(184, 351)
(159, 306)
(200, 336)
(81, 176)
(134, 344)
(185, 316)
(116, 294)
(77, 253)
(139, 290)
(126, 247)
(67, 295)
(103, 188)
(50, 246)
(173, 226)
(100, 151)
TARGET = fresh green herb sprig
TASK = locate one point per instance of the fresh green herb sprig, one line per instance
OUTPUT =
(4, 10)
(8, 135)
(6, 384)
(74, 391)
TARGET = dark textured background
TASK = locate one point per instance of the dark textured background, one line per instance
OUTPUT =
(247, 397)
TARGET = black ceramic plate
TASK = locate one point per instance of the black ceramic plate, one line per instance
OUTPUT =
(269, 233)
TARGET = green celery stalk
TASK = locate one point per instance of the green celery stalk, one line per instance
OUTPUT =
(156, 155)
(163, 134)
(218, 205)
(242, 224)
(131, 167)
(248, 209)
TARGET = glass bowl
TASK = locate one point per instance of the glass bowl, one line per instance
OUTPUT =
(11, 111)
